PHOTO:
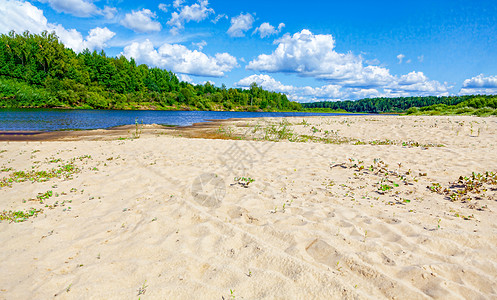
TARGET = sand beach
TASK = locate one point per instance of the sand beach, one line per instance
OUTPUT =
(342, 207)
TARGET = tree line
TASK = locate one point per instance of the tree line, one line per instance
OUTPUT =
(39, 71)
(400, 104)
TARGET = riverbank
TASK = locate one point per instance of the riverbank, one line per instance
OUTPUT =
(313, 207)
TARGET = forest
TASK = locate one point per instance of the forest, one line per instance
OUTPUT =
(39, 71)
(409, 104)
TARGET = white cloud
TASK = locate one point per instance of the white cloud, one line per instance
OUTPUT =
(373, 62)
(178, 3)
(163, 7)
(109, 12)
(265, 81)
(196, 12)
(400, 57)
(78, 8)
(307, 93)
(334, 92)
(416, 83)
(21, 16)
(185, 78)
(421, 58)
(266, 29)
(219, 17)
(481, 81)
(180, 59)
(306, 54)
(479, 85)
(475, 91)
(312, 55)
(240, 25)
(141, 21)
(97, 38)
(200, 45)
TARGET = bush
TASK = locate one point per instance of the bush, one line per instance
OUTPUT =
(412, 110)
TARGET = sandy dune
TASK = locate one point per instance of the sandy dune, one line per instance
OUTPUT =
(346, 214)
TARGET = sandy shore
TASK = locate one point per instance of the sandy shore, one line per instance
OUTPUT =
(339, 207)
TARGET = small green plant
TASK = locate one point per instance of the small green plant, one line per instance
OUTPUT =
(138, 129)
(232, 294)
(385, 187)
(44, 196)
(143, 289)
(243, 181)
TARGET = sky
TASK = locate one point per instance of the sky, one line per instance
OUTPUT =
(310, 50)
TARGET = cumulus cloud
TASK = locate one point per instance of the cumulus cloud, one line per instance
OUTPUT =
(21, 16)
(240, 25)
(180, 59)
(415, 83)
(196, 12)
(335, 92)
(401, 57)
(312, 55)
(306, 54)
(266, 29)
(307, 93)
(481, 81)
(265, 81)
(97, 37)
(480, 84)
(141, 21)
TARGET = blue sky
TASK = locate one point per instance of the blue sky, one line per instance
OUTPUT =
(312, 50)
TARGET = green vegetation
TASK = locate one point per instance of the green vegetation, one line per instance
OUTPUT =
(19, 216)
(467, 188)
(474, 105)
(285, 131)
(63, 171)
(39, 71)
